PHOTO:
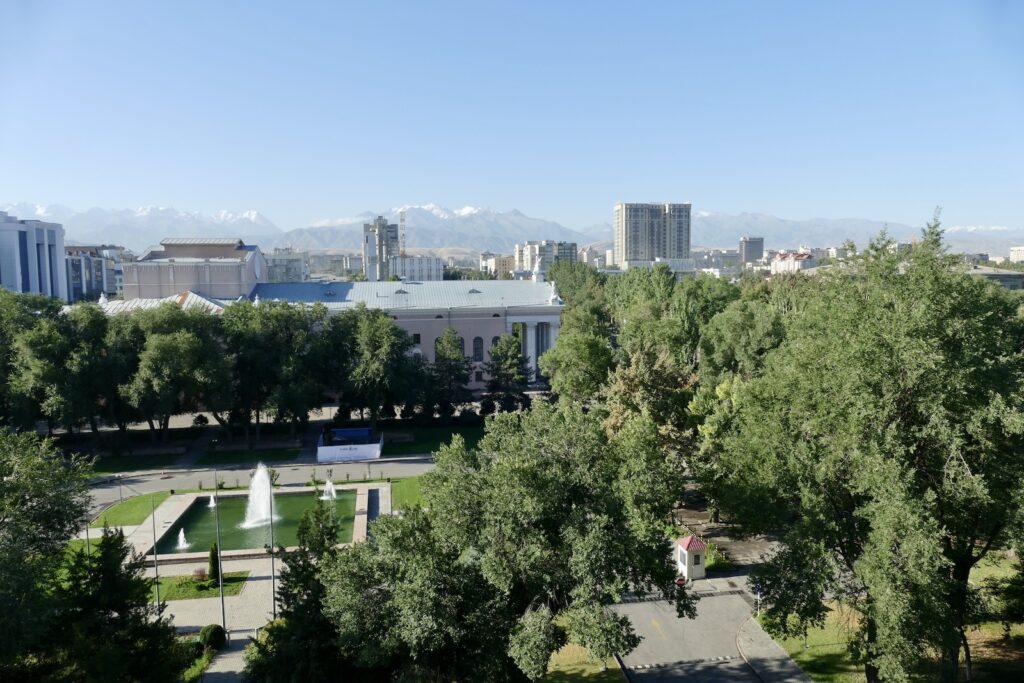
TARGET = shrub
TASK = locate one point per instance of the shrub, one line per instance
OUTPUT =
(487, 406)
(214, 566)
(200, 420)
(213, 636)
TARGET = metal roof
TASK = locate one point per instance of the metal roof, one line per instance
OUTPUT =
(201, 241)
(439, 294)
(185, 300)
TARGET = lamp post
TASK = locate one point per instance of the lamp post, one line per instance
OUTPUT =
(273, 578)
(156, 562)
(220, 564)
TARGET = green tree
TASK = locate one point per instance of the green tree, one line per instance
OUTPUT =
(578, 365)
(18, 314)
(883, 439)
(507, 370)
(560, 515)
(107, 628)
(43, 502)
(450, 372)
(302, 644)
(381, 361)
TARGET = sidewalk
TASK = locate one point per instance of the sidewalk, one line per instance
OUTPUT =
(768, 660)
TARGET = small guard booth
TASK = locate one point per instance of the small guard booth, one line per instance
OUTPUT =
(691, 556)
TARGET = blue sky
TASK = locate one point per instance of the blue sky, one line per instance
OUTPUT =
(307, 111)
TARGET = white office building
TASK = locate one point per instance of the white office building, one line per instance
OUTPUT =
(416, 268)
(32, 257)
(1016, 254)
(645, 232)
(380, 243)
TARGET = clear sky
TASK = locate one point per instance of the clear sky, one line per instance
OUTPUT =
(307, 111)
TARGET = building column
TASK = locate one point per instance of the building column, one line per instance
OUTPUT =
(531, 346)
(553, 333)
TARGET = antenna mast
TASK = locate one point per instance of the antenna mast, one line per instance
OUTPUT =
(401, 230)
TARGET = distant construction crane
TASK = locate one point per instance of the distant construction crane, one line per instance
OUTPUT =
(401, 231)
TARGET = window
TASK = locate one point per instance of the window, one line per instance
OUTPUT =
(479, 376)
(696, 560)
(438, 317)
(462, 346)
(416, 339)
(494, 341)
(478, 349)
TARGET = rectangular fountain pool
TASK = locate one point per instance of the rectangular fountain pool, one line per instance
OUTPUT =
(199, 523)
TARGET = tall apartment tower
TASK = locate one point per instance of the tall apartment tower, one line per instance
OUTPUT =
(644, 232)
(380, 243)
(751, 249)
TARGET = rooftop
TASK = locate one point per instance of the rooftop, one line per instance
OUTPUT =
(691, 543)
(439, 294)
(204, 241)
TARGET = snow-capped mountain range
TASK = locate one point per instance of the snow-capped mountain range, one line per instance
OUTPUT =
(432, 227)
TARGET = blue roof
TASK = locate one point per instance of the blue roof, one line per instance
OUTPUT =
(412, 295)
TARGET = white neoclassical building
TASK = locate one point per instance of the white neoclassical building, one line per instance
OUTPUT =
(479, 311)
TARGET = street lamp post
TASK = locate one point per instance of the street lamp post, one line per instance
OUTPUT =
(273, 578)
(220, 564)
(156, 562)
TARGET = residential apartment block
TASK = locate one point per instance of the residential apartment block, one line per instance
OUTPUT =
(94, 270)
(416, 268)
(645, 232)
(32, 257)
(539, 255)
(286, 265)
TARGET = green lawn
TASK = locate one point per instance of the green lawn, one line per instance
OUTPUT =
(573, 663)
(826, 659)
(187, 588)
(199, 667)
(243, 457)
(113, 464)
(405, 493)
(430, 439)
(132, 511)
(76, 544)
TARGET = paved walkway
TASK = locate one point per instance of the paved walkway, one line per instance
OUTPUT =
(721, 644)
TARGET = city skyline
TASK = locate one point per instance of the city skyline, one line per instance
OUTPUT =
(799, 111)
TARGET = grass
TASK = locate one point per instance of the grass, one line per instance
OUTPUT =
(430, 439)
(132, 511)
(199, 666)
(76, 544)
(188, 588)
(716, 560)
(826, 659)
(573, 663)
(405, 493)
(113, 464)
(244, 457)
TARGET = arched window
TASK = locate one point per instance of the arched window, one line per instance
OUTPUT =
(478, 349)
(462, 346)
(494, 341)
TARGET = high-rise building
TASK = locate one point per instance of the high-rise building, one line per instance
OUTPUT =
(32, 257)
(1016, 254)
(751, 249)
(543, 253)
(380, 243)
(645, 232)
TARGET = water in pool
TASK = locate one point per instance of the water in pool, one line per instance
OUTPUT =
(199, 523)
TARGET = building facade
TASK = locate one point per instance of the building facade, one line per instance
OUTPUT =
(751, 249)
(416, 268)
(93, 271)
(792, 262)
(542, 253)
(645, 232)
(32, 257)
(216, 268)
(1016, 254)
(286, 265)
(380, 243)
(498, 265)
